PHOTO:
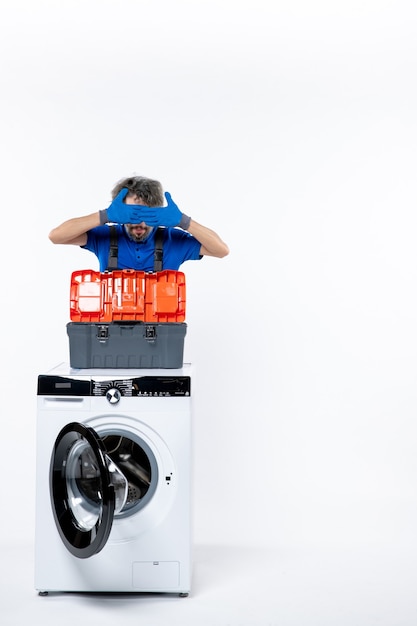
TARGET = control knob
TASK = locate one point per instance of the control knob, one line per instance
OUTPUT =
(113, 395)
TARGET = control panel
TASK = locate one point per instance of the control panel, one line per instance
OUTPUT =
(139, 386)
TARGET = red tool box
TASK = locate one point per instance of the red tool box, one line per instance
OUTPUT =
(127, 318)
(127, 295)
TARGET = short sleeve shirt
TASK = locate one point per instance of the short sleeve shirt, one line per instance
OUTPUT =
(178, 247)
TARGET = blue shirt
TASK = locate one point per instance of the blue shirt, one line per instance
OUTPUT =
(178, 246)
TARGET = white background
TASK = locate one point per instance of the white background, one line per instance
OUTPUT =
(289, 127)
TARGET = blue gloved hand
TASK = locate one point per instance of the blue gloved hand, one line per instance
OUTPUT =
(169, 215)
(122, 213)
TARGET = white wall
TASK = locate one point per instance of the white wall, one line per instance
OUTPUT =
(289, 127)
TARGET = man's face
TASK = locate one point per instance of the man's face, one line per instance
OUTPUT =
(138, 232)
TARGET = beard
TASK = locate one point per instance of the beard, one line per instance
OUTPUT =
(138, 233)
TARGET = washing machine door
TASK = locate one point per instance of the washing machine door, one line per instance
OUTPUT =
(82, 491)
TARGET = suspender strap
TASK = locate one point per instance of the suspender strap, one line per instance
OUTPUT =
(113, 253)
(158, 254)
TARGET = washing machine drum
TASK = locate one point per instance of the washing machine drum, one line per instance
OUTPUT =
(87, 489)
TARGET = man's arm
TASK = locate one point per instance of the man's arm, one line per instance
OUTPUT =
(171, 216)
(211, 244)
(74, 231)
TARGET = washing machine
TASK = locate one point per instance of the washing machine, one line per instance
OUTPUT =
(113, 480)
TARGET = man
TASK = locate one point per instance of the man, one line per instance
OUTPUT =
(138, 209)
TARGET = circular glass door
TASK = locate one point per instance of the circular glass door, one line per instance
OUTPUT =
(86, 490)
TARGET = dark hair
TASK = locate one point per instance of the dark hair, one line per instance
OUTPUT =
(150, 191)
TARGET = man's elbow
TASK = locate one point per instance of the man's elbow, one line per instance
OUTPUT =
(53, 236)
(224, 251)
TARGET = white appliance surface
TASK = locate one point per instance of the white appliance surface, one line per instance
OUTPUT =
(146, 432)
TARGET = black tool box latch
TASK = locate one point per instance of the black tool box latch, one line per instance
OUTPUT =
(102, 333)
(150, 333)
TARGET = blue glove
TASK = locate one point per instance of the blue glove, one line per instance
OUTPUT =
(122, 213)
(169, 215)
